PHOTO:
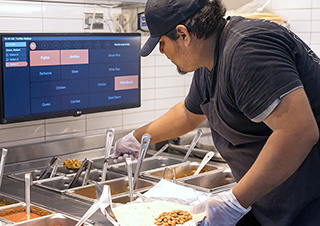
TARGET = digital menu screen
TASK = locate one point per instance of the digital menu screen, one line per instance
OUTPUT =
(54, 75)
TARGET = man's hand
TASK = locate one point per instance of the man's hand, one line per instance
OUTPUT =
(126, 147)
(222, 209)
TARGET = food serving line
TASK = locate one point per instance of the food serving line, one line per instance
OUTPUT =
(66, 195)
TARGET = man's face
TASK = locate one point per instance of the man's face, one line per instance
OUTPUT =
(174, 50)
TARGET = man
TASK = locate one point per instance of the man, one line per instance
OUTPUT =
(258, 85)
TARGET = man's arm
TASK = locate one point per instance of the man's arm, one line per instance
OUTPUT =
(295, 132)
(177, 121)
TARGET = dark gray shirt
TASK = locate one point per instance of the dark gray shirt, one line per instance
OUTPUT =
(256, 63)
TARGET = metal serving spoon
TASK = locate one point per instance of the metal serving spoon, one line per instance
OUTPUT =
(109, 140)
(193, 144)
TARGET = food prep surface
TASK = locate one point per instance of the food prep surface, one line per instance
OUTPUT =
(54, 195)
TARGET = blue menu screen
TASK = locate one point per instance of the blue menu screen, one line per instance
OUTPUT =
(54, 75)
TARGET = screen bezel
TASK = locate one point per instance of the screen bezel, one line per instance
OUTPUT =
(63, 113)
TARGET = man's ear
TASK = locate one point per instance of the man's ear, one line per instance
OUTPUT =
(184, 34)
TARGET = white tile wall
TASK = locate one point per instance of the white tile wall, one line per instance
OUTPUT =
(304, 19)
(316, 3)
(162, 86)
(315, 38)
(300, 26)
(16, 9)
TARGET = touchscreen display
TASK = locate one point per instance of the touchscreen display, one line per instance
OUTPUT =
(54, 75)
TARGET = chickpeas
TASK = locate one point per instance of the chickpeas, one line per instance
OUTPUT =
(173, 218)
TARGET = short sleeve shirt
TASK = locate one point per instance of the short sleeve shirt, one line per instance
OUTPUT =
(258, 62)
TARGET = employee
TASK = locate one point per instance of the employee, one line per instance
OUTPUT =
(258, 85)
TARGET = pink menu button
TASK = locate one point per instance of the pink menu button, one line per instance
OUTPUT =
(77, 56)
(126, 82)
(17, 64)
(44, 58)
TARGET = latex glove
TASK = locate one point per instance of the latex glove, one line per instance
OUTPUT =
(222, 210)
(126, 147)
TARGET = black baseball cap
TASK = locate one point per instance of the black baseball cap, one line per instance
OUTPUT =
(164, 15)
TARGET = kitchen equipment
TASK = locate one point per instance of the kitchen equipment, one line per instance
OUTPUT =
(161, 150)
(193, 144)
(95, 175)
(118, 187)
(100, 203)
(104, 196)
(182, 170)
(28, 183)
(204, 162)
(109, 140)
(174, 178)
(51, 220)
(214, 181)
(15, 214)
(125, 198)
(130, 182)
(2, 163)
(149, 163)
(6, 201)
(144, 145)
(53, 163)
(86, 165)
(59, 183)
(35, 174)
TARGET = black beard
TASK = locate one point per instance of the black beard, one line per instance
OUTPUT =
(181, 72)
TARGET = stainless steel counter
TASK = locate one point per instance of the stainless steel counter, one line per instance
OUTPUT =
(37, 156)
(53, 201)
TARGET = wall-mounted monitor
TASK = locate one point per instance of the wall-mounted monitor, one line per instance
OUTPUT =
(54, 75)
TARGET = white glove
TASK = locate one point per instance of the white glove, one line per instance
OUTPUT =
(222, 210)
(126, 147)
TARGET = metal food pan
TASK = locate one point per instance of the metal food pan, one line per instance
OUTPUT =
(35, 174)
(184, 170)
(98, 162)
(56, 219)
(6, 201)
(125, 198)
(9, 211)
(212, 181)
(59, 184)
(117, 186)
(95, 175)
(148, 164)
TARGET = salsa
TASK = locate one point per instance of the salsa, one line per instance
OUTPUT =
(20, 216)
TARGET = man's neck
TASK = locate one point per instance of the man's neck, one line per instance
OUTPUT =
(204, 48)
(207, 49)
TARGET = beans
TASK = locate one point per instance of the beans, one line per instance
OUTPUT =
(173, 218)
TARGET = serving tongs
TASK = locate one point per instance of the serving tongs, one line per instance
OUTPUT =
(130, 182)
(204, 162)
(2, 163)
(85, 166)
(161, 150)
(193, 144)
(174, 178)
(109, 140)
(53, 163)
(144, 145)
(103, 202)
